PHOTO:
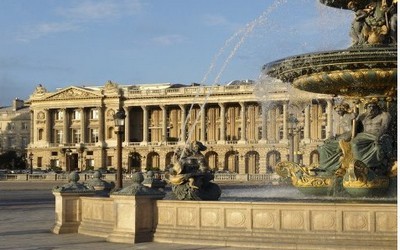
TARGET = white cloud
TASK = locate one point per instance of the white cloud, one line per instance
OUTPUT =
(43, 29)
(98, 10)
(76, 17)
(168, 40)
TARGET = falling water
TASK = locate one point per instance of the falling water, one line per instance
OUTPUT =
(241, 35)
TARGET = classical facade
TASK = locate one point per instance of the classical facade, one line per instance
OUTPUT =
(73, 127)
(15, 124)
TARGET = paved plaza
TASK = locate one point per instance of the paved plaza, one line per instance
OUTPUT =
(27, 216)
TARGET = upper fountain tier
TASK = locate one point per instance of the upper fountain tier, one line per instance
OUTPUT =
(367, 68)
(343, 4)
(368, 71)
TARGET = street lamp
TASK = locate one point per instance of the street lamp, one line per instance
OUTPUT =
(292, 127)
(30, 156)
(119, 120)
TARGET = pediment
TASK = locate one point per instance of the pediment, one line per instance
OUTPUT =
(74, 93)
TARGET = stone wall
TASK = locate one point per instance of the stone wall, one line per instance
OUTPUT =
(278, 225)
(268, 225)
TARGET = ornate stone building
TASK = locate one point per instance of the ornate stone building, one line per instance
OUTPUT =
(73, 127)
(15, 127)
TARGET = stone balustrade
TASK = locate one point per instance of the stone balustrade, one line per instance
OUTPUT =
(218, 177)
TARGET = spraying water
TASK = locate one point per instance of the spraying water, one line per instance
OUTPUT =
(241, 35)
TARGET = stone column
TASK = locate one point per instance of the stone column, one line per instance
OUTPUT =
(203, 123)
(307, 138)
(263, 124)
(222, 123)
(285, 123)
(127, 125)
(145, 125)
(65, 126)
(329, 118)
(243, 123)
(83, 125)
(164, 123)
(48, 126)
(183, 124)
(33, 127)
(102, 122)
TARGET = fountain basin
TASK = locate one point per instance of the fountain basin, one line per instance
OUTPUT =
(357, 72)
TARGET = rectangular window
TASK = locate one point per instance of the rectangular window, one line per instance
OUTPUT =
(54, 163)
(24, 142)
(11, 126)
(94, 135)
(24, 126)
(59, 115)
(94, 114)
(76, 135)
(39, 162)
(323, 132)
(76, 115)
(59, 136)
(54, 153)
(109, 160)
(90, 163)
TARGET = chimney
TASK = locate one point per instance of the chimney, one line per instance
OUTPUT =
(17, 104)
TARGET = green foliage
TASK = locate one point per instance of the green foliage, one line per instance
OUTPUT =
(149, 168)
(11, 160)
(55, 168)
(88, 168)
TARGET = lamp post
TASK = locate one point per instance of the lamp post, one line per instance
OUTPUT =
(292, 127)
(31, 161)
(119, 120)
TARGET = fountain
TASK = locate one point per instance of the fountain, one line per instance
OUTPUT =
(362, 162)
(367, 73)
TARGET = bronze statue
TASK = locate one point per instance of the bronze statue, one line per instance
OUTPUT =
(190, 177)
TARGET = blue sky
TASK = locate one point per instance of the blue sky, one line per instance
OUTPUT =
(58, 43)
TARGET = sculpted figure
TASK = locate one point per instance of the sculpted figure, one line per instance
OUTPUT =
(358, 23)
(373, 146)
(373, 23)
(391, 12)
(190, 177)
(330, 152)
(376, 27)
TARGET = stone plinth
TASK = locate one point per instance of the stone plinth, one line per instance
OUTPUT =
(134, 212)
(68, 210)
(68, 207)
(134, 219)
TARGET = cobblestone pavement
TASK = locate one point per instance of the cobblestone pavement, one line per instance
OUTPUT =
(25, 223)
